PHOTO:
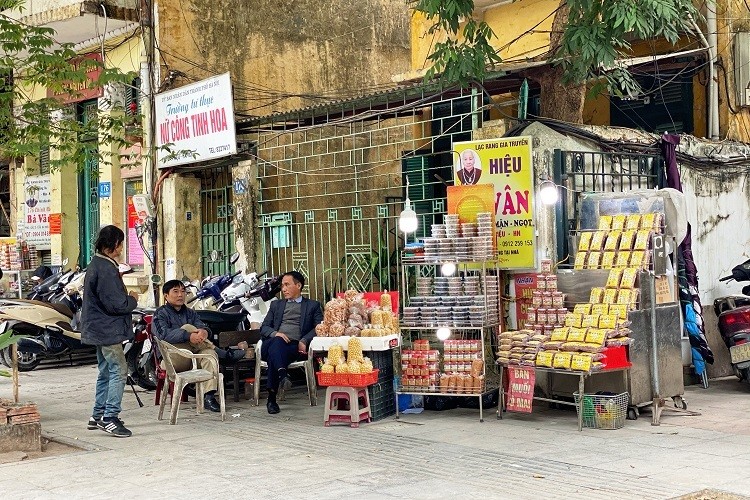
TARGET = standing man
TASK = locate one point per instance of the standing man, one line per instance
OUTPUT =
(469, 170)
(180, 326)
(106, 323)
(287, 331)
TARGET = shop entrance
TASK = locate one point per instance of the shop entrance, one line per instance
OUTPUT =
(217, 219)
(88, 190)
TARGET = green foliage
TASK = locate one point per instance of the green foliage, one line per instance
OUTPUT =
(31, 60)
(598, 32)
(466, 53)
(6, 340)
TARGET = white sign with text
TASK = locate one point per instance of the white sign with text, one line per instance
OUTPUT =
(36, 208)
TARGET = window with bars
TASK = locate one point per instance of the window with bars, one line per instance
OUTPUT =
(132, 98)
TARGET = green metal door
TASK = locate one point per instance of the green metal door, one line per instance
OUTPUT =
(217, 216)
(88, 192)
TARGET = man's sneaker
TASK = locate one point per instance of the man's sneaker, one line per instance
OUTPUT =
(94, 423)
(113, 425)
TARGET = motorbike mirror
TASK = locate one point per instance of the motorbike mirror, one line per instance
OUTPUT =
(237, 279)
(235, 257)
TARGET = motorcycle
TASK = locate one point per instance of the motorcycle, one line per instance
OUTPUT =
(140, 353)
(208, 295)
(252, 296)
(734, 321)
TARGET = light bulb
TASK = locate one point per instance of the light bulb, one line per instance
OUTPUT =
(407, 221)
(548, 193)
(448, 269)
(443, 333)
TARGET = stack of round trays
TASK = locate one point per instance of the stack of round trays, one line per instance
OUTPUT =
(412, 316)
(441, 286)
(424, 285)
(463, 249)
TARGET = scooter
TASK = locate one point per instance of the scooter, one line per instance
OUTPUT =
(208, 296)
(734, 321)
(140, 352)
(252, 296)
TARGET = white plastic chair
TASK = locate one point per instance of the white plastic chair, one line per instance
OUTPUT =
(197, 376)
(307, 365)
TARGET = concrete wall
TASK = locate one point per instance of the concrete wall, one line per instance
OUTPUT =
(182, 237)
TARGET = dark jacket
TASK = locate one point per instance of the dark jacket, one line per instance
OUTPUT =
(107, 307)
(311, 315)
(168, 320)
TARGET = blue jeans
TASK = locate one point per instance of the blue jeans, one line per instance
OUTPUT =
(110, 385)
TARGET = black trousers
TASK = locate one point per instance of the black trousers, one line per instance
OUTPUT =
(278, 354)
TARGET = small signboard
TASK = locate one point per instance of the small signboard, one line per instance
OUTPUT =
(105, 189)
(55, 223)
(520, 389)
(658, 243)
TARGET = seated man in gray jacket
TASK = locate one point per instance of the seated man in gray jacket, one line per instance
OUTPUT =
(180, 326)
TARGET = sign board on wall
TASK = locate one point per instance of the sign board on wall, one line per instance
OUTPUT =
(82, 91)
(523, 285)
(36, 211)
(196, 122)
(134, 250)
(506, 164)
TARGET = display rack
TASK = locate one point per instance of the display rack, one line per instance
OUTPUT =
(447, 306)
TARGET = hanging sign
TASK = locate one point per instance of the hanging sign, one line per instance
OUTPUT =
(524, 286)
(87, 89)
(505, 164)
(520, 389)
(36, 207)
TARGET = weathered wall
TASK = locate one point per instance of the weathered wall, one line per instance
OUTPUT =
(245, 217)
(285, 55)
(734, 122)
(182, 237)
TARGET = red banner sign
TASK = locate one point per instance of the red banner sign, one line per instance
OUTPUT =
(55, 223)
(83, 91)
(520, 389)
(524, 285)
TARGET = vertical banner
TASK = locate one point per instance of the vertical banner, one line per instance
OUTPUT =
(506, 164)
(520, 389)
(36, 208)
(134, 250)
(523, 287)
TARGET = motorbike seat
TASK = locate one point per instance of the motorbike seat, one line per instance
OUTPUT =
(61, 308)
(219, 321)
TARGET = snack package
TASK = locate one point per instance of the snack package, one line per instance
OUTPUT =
(545, 358)
(597, 240)
(626, 240)
(573, 320)
(595, 336)
(610, 296)
(597, 295)
(584, 241)
(613, 238)
(633, 222)
(552, 345)
(580, 261)
(634, 299)
(608, 260)
(619, 341)
(582, 309)
(581, 362)
(560, 334)
(648, 221)
(608, 322)
(618, 221)
(613, 279)
(636, 259)
(629, 274)
(625, 296)
(623, 259)
(562, 360)
(642, 239)
(593, 260)
(590, 320)
(600, 309)
(571, 346)
(619, 310)
(592, 348)
(576, 334)
(605, 222)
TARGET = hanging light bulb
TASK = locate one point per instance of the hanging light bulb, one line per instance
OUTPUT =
(448, 269)
(548, 192)
(407, 221)
(443, 333)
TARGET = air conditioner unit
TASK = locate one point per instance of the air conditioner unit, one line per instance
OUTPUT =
(742, 67)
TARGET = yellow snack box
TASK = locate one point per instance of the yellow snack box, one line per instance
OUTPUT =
(633, 222)
(584, 241)
(545, 358)
(573, 320)
(626, 240)
(613, 238)
(619, 310)
(613, 280)
(642, 239)
(593, 260)
(589, 320)
(580, 261)
(562, 360)
(582, 309)
(622, 259)
(625, 296)
(560, 334)
(596, 336)
(605, 222)
(600, 309)
(607, 321)
(577, 334)
(618, 221)
(580, 362)
(629, 275)
(597, 295)
(608, 260)
(597, 240)
(648, 221)
(610, 296)
(637, 258)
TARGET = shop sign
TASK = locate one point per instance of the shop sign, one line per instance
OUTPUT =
(55, 223)
(505, 164)
(520, 389)
(523, 286)
(85, 90)
(195, 122)
(134, 250)
(36, 208)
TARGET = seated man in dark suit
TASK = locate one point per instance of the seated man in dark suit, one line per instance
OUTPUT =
(287, 331)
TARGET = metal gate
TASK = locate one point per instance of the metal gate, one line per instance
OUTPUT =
(217, 220)
(596, 172)
(88, 206)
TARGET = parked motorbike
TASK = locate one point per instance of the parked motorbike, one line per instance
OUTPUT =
(734, 321)
(140, 352)
(252, 296)
(208, 296)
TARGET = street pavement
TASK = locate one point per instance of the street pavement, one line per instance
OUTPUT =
(430, 455)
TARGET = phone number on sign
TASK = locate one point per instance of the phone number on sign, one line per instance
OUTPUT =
(514, 243)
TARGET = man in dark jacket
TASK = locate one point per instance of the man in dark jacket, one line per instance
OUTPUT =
(106, 323)
(180, 326)
(287, 331)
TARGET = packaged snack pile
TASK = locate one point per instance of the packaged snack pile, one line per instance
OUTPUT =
(352, 316)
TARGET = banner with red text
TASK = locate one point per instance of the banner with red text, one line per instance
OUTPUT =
(195, 122)
(520, 389)
(505, 163)
(34, 228)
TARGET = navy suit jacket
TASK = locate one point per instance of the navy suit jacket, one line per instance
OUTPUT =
(311, 315)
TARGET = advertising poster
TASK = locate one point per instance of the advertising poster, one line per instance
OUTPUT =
(195, 122)
(521, 382)
(505, 164)
(523, 287)
(468, 201)
(36, 211)
(134, 250)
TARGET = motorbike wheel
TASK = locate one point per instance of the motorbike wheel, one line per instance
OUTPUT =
(26, 361)
(144, 376)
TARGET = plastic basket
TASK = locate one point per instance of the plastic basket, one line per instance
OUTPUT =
(603, 411)
(347, 379)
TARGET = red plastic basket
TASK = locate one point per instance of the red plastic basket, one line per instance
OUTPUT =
(326, 379)
(363, 379)
(347, 379)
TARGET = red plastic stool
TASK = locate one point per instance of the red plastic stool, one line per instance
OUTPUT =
(343, 405)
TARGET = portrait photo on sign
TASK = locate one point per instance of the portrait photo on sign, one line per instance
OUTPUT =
(468, 167)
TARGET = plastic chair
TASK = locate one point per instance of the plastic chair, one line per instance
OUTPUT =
(195, 376)
(307, 365)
